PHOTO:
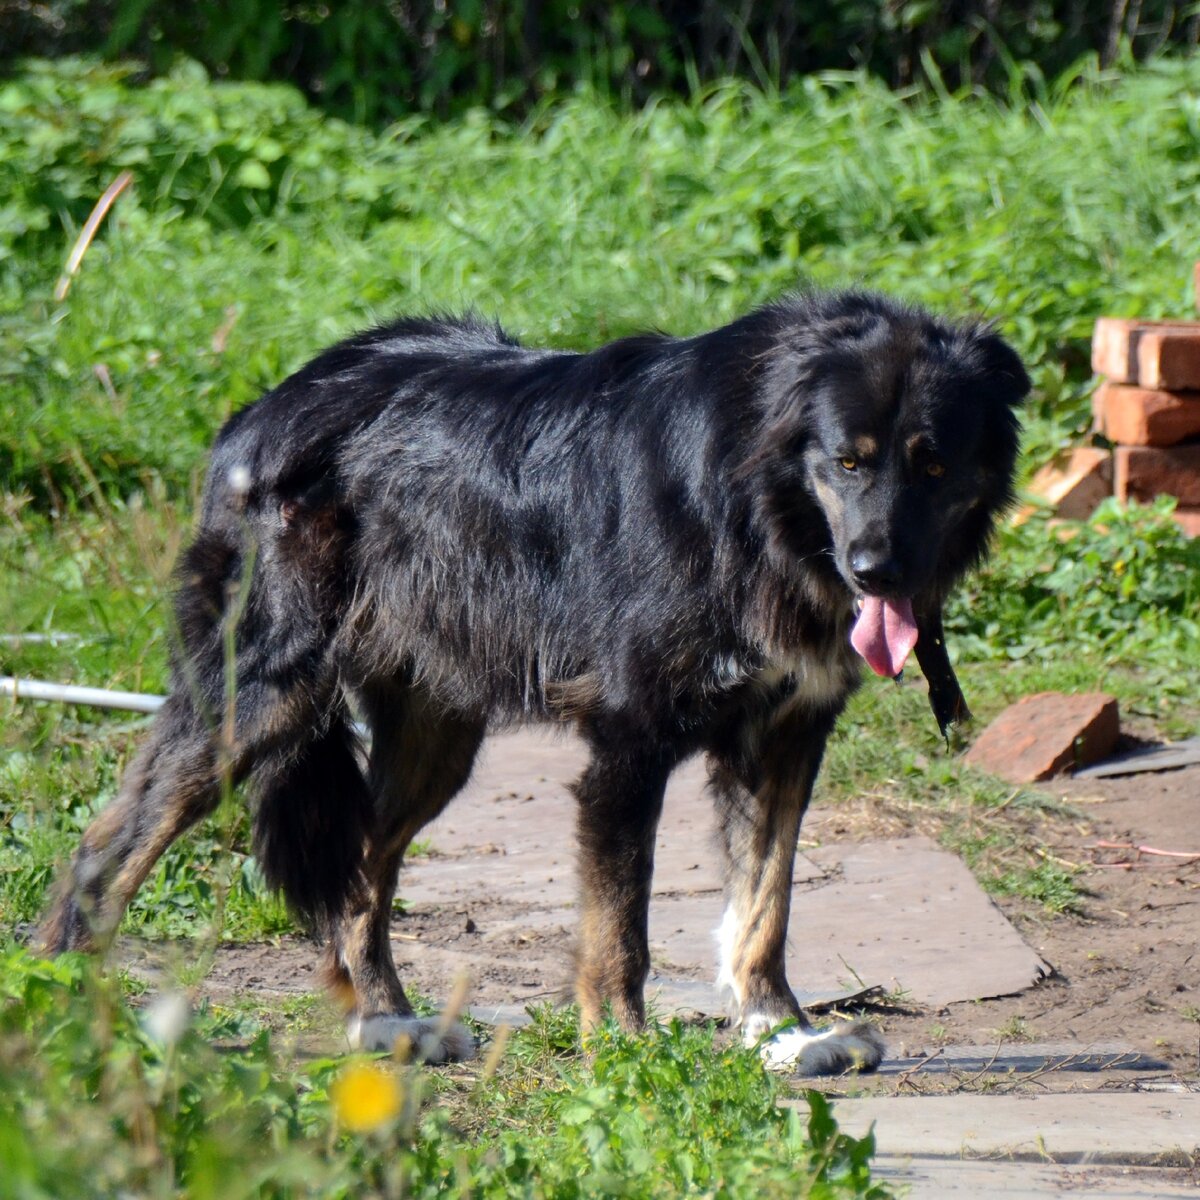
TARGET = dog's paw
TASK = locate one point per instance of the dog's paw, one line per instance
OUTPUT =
(846, 1046)
(427, 1039)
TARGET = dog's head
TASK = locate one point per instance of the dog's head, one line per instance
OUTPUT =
(902, 430)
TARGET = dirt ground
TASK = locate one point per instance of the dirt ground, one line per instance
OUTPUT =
(1124, 970)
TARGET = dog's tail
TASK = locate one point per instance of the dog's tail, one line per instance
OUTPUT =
(294, 740)
(312, 818)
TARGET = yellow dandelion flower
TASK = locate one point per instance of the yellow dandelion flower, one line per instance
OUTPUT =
(364, 1098)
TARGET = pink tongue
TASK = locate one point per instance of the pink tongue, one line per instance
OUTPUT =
(884, 634)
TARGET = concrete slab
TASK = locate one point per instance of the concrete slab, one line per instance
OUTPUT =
(933, 1179)
(1166, 757)
(911, 915)
(903, 915)
(1077, 1127)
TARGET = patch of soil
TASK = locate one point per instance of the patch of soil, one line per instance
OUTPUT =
(517, 958)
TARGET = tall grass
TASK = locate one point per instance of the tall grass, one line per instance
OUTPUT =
(259, 230)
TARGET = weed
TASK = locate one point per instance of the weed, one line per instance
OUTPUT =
(1015, 1029)
(1047, 884)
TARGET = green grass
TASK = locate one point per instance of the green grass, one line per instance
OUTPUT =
(583, 223)
(99, 1100)
(257, 232)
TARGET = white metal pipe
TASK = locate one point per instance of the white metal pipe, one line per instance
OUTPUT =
(67, 693)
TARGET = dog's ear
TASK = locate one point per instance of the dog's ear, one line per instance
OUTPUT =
(1002, 366)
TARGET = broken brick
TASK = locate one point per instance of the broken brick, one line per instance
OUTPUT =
(1169, 358)
(1075, 483)
(1188, 519)
(1047, 734)
(1141, 416)
(1143, 472)
(1115, 344)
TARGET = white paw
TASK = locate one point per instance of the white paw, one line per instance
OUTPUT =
(786, 1048)
(845, 1046)
(429, 1041)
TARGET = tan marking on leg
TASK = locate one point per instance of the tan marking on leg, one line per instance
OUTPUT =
(610, 970)
(759, 892)
(619, 805)
(420, 758)
(172, 778)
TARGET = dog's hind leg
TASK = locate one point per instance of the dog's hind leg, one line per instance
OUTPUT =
(762, 790)
(176, 779)
(420, 757)
(620, 800)
(280, 718)
(171, 783)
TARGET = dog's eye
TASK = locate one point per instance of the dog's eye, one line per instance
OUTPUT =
(935, 469)
(847, 463)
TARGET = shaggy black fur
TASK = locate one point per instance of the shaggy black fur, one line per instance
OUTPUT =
(660, 541)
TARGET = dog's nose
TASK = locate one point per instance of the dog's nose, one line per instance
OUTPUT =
(876, 574)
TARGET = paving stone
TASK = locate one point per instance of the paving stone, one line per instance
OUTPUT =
(1047, 734)
(955, 1179)
(1025, 1058)
(1143, 472)
(1164, 757)
(903, 915)
(1063, 1127)
(1140, 416)
(1169, 358)
(1076, 482)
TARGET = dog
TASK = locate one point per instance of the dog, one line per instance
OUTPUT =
(675, 545)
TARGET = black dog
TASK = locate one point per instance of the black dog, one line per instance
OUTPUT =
(664, 542)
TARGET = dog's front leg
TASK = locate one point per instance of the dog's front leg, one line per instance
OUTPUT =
(762, 791)
(620, 799)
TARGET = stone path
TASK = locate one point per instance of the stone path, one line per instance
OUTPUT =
(901, 915)
(494, 896)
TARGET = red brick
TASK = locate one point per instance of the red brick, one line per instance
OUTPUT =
(1047, 734)
(1115, 342)
(1188, 519)
(1141, 416)
(1169, 358)
(1075, 483)
(1143, 472)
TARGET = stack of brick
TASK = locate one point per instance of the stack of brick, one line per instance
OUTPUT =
(1148, 406)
